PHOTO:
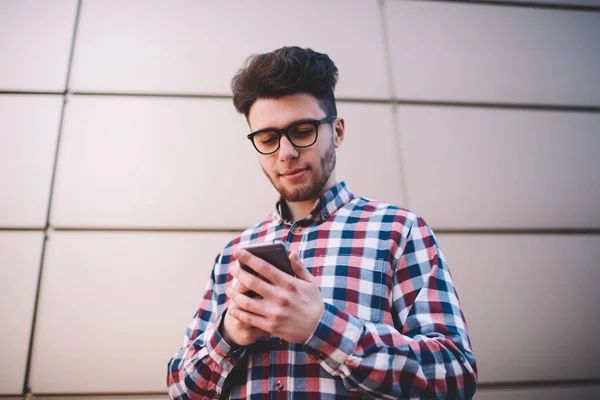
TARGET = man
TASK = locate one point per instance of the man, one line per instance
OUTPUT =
(371, 311)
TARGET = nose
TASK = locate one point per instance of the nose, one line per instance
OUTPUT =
(287, 151)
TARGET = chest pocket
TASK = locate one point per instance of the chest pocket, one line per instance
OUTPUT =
(354, 284)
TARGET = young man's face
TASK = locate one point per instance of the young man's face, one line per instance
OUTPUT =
(298, 174)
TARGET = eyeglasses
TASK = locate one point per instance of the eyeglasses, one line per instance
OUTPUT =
(301, 134)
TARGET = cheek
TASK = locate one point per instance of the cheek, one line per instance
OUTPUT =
(322, 152)
(267, 164)
(324, 143)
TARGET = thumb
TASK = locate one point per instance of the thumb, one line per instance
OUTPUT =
(299, 269)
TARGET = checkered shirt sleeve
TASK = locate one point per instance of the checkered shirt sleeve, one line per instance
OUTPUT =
(199, 369)
(427, 354)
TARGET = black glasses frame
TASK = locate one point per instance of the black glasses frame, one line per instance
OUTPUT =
(285, 131)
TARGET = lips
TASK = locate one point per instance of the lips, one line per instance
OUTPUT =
(293, 171)
(294, 174)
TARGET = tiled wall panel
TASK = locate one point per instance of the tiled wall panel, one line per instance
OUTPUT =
(20, 254)
(531, 303)
(144, 162)
(147, 162)
(368, 158)
(196, 47)
(556, 393)
(36, 41)
(114, 308)
(482, 168)
(114, 305)
(28, 132)
(448, 51)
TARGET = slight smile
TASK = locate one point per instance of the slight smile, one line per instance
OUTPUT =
(294, 173)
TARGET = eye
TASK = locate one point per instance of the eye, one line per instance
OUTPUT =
(302, 130)
(266, 138)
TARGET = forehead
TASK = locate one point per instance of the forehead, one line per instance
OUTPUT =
(280, 112)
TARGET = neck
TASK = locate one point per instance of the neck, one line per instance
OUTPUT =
(301, 209)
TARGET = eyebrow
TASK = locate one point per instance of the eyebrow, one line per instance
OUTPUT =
(288, 125)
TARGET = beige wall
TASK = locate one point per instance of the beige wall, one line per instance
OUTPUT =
(124, 170)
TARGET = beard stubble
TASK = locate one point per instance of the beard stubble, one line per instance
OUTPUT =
(313, 189)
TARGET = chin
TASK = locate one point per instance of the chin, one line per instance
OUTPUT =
(299, 192)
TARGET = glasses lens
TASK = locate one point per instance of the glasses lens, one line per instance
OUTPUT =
(266, 142)
(303, 135)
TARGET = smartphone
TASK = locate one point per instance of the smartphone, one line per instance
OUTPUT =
(272, 252)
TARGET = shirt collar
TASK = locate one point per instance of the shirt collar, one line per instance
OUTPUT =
(331, 201)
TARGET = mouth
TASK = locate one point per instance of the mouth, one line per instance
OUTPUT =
(294, 173)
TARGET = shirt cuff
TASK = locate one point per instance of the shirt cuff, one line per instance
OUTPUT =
(222, 352)
(335, 338)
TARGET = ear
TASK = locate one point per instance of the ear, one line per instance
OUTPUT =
(338, 132)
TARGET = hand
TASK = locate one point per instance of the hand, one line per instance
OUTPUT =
(238, 332)
(287, 307)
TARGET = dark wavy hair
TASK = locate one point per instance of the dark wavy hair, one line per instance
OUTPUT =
(282, 72)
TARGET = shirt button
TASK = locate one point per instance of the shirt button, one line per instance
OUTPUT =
(319, 356)
(280, 342)
(279, 386)
(298, 229)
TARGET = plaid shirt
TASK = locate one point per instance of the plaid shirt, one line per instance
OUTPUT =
(392, 326)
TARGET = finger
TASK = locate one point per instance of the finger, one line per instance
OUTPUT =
(248, 318)
(240, 287)
(261, 267)
(299, 269)
(243, 302)
(230, 310)
(250, 282)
